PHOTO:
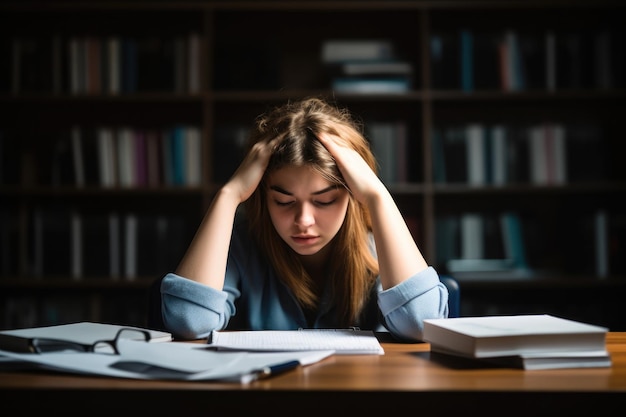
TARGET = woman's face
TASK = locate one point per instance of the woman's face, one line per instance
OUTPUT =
(307, 211)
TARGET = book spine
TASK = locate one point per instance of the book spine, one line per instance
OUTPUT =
(601, 243)
(476, 161)
(77, 152)
(467, 61)
(77, 246)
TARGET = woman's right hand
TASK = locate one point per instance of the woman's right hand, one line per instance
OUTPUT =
(251, 170)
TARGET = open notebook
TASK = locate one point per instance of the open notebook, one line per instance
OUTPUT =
(341, 341)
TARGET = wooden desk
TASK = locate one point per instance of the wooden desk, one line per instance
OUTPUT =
(407, 378)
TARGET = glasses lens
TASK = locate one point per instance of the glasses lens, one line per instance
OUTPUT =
(127, 337)
(104, 347)
(52, 345)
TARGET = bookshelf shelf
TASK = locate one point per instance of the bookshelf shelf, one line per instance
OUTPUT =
(239, 61)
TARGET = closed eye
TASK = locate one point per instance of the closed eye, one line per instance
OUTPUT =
(326, 203)
(283, 203)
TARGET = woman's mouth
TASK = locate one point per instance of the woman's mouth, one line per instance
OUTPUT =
(305, 239)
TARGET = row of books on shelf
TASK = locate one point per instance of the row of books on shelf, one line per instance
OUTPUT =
(101, 65)
(597, 246)
(547, 153)
(514, 60)
(87, 245)
(480, 245)
(111, 157)
(388, 140)
(389, 143)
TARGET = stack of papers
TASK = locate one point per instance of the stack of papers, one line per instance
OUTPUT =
(230, 356)
(167, 361)
(522, 341)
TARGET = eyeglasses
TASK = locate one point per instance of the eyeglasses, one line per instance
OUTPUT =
(46, 345)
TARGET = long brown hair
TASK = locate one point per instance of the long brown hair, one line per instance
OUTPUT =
(352, 269)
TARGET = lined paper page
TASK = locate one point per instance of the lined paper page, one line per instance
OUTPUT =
(342, 341)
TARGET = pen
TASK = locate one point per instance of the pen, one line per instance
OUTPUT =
(272, 370)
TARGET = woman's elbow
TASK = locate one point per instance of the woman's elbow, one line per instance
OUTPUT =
(190, 322)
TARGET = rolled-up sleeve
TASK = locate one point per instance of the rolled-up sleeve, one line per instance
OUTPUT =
(405, 306)
(192, 310)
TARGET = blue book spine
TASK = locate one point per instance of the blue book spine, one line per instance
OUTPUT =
(178, 155)
(467, 61)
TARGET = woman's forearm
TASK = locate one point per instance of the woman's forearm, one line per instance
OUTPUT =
(398, 255)
(206, 257)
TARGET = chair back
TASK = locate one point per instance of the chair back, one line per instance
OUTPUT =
(454, 295)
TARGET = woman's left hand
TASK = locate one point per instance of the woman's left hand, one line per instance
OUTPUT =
(360, 178)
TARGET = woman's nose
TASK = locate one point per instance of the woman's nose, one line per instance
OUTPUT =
(305, 215)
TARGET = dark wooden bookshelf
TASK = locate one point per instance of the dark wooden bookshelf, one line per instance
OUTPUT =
(252, 55)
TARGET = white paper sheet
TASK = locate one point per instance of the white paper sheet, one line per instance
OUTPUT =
(168, 360)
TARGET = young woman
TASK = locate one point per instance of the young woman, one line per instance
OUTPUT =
(317, 243)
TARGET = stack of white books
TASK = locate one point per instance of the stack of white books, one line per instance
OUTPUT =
(522, 341)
